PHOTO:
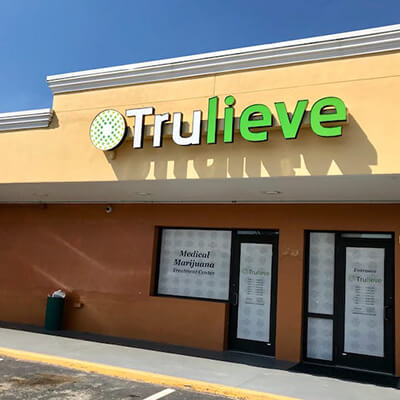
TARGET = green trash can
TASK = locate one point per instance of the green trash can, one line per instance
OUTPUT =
(54, 313)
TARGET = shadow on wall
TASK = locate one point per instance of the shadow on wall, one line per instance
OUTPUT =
(309, 154)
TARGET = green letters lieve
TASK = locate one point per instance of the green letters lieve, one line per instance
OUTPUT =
(290, 125)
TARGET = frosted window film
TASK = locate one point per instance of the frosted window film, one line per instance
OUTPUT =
(364, 307)
(195, 263)
(255, 291)
(320, 338)
(321, 273)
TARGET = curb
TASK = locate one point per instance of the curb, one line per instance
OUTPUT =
(141, 376)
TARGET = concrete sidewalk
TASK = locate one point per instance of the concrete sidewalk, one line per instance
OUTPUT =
(262, 379)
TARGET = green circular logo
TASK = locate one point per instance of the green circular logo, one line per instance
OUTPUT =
(108, 130)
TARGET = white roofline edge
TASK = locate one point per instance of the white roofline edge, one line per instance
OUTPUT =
(347, 44)
(29, 119)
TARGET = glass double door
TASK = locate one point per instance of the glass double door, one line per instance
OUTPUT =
(253, 292)
(350, 316)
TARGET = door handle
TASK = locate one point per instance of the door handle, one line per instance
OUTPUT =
(235, 299)
(388, 313)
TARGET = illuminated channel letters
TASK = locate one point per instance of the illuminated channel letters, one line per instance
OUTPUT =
(108, 128)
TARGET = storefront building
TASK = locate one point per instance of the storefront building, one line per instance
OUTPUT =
(241, 200)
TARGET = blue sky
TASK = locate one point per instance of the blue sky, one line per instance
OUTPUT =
(45, 37)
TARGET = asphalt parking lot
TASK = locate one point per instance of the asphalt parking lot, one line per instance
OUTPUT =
(24, 380)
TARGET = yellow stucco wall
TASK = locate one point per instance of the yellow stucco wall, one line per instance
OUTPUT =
(368, 85)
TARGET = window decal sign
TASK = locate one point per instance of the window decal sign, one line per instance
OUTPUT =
(195, 263)
(255, 291)
(364, 308)
(326, 118)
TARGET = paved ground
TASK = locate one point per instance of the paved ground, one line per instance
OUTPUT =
(269, 376)
(28, 381)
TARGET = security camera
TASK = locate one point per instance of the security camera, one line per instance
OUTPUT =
(108, 209)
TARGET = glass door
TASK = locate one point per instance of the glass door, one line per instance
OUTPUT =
(349, 316)
(253, 292)
(365, 320)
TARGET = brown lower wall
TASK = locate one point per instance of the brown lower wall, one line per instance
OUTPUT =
(106, 261)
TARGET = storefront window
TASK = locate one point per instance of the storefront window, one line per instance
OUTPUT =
(321, 272)
(319, 338)
(195, 263)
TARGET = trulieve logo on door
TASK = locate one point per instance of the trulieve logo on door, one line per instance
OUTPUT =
(108, 129)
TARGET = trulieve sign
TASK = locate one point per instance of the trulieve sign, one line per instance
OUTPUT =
(108, 129)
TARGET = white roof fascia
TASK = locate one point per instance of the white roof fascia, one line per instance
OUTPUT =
(348, 44)
(29, 119)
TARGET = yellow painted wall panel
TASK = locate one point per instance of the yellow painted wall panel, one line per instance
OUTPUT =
(369, 144)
